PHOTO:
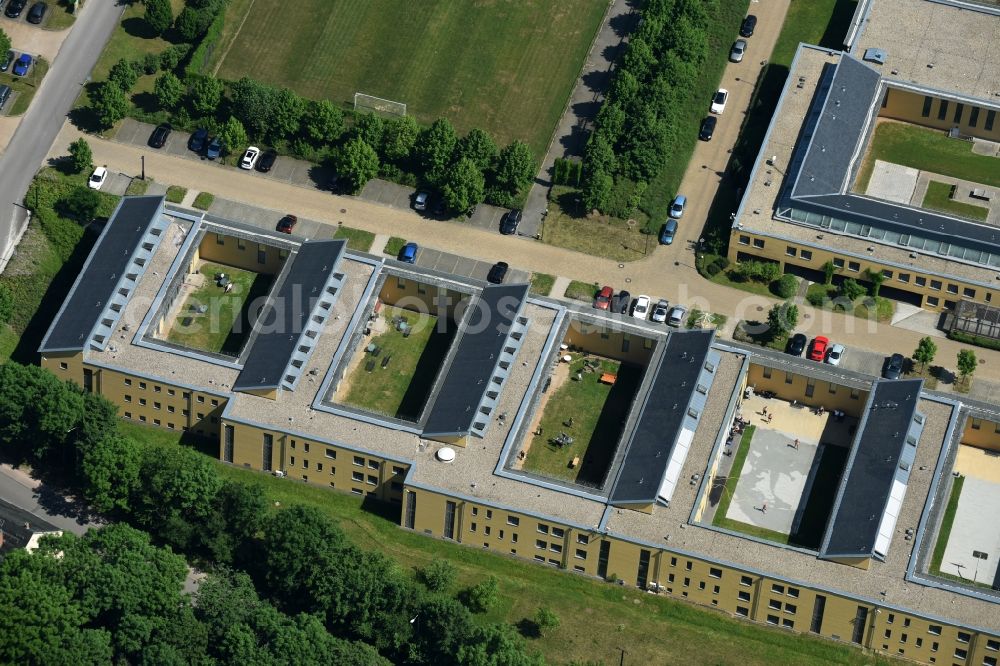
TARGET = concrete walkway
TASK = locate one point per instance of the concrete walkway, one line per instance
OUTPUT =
(570, 135)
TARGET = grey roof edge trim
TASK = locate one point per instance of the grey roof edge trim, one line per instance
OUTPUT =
(855, 447)
(858, 23)
(43, 345)
(971, 6)
(220, 393)
(741, 210)
(189, 214)
(371, 418)
(952, 95)
(781, 361)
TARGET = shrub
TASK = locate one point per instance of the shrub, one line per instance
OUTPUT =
(481, 597)
(150, 63)
(158, 15)
(438, 576)
(204, 200)
(785, 286)
(978, 340)
(125, 73)
(173, 55)
(81, 157)
(721, 262)
(816, 298)
(851, 289)
(756, 271)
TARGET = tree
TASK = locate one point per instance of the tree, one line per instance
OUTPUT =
(785, 286)
(463, 186)
(514, 171)
(158, 15)
(286, 114)
(597, 190)
(173, 55)
(125, 73)
(966, 363)
(174, 483)
(322, 122)
(781, 319)
(438, 576)
(483, 595)
(110, 103)
(369, 127)
(876, 278)
(252, 104)
(6, 303)
(81, 157)
(357, 162)
(192, 23)
(851, 290)
(434, 149)
(37, 411)
(925, 351)
(110, 473)
(168, 90)
(546, 620)
(233, 136)
(204, 94)
(4, 41)
(828, 270)
(80, 204)
(479, 147)
(398, 138)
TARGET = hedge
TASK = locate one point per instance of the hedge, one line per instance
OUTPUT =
(978, 340)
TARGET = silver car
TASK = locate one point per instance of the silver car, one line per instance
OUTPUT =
(677, 316)
(739, 48)
(660, 311)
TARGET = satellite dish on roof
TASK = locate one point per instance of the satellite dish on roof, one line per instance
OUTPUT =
(446, 454)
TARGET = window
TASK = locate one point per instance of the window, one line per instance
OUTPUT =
(449, 519)
(63, 366)
(990, 644)
(758, 243)
(974, 116)
(670, 578)
(687, 565)
(201, 398)
(903, 277)
(746, 581)
(977, 423)
(555, 548)
(355, 476)
(558, 532)
(673, 561)
(888, 633)
(156, 405)
(128, 415)
(791, 251)
(793, 592)
(920, 281)
(687, 582)
(501, 533)
(513, 537)
(319, 467)
(952, 288)
(791, 609)
(541, 545)
(128, 398)
(543, 528)
(742, 611)
(990, 117)
(170, 408)
(305, 446)
(331, 454)
(963, 637)
(475, 511)
(715, 589)
(581, 554)
(128, 382)
(142, 401)
(933, 301)
(701, 585)
(579, 569)
(968, 292)
(928, 100)
(989, 661)
(891, 618)
(582, 539)
(787, 624)
(744, 595)
(806, 255)
(359, 461)
(372, 464)
(372, 480)
(838, 263)
(142, 385)
(959, 108)
(902, 638)
(886, 274)
(715, 573)
(774, 604)
(486, 530)
(943, 110)
(398, 470)
(772, 619)
(744, 240)
(959, 652)
(767, 373)
(853, 266)
(936, 284)
(540, 558)
(934, 646)
(515, 521)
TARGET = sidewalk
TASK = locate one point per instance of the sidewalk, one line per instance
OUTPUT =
(678, 281)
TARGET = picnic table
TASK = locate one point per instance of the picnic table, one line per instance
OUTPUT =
(608, 378)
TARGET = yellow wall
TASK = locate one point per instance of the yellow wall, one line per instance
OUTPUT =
(791, 386)
(240, 253)
(608, 343)
(415, 294)
(981, 433)
(909, 106)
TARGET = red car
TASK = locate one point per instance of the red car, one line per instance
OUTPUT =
(287, 223)
(817, 350)
(603, 299)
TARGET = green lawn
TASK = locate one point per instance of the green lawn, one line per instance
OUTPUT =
(60, 16)
(739, 457)
(541, 283)
(505, 67)
(591, 413)
(927, 150)
(203, 201)
(946, 524)
(357, 239)
(24, 86)
(581, 291)
(568, 225)
(400, 388)
(394, 246)
(176, 194)
(216, 330)
(938, 197)
(860, 308)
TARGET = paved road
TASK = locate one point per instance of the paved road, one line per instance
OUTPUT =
(43, 120)
(26, 493)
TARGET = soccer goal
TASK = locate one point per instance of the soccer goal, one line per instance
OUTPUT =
(370, 103)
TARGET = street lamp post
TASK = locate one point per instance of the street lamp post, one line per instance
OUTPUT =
(142, 161)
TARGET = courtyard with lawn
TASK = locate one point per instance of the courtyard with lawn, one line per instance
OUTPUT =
(940, 197)
(392, 371)
(214, 313)
(505, 67)
(579, 420)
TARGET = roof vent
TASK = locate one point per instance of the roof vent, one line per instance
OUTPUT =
(875, 55)
(445, 455)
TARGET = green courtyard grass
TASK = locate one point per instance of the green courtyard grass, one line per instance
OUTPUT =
(927, 150)
(400, 388)
(589, 411)
(357, 239)
(505, 67)
(216, 330)
(938, 197)
(947, 521)
(732, 479)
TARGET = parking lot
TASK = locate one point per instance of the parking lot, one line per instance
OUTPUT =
(268, 219)
(400, 196)
(465, 267)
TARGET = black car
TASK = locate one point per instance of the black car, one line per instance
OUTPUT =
(893, 367)
(624, 300)
(214, 148)
(14, 8)
(158, 138)
(746, 28)
(198, 140)
(5, 65)
(287, 223)
(37, 12)
(797, 344)
(508, 225)
(266, 161)
(707, 128)
(497, 273)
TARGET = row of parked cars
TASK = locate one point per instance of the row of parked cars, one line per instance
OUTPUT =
(820, 349)
(22, 63)
(718, 104)
(642, 307)
(35, 15)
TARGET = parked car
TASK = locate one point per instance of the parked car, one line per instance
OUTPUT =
(677, 316)
(509, 222)
(408, 254)
(22, 65)
(602, 301)
(37, 12)
(640, 309)
(497, 273)
(668, 232)
(624, 300)
(8, 59)
(158, 138)
(835, 353)
(797, 344)
(817, 350)
(748, 25)
(198, 140)
(659, 314)
(707, 128)
(214, 148)
(267, 161)
(287, 223)
(97, 178)
(5, 92)
(677, 206)
(719, 101)
(420, 201)
(250, 158)
(14, 8)
(737, 52)
(893, 368)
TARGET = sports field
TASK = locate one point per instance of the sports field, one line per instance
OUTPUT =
(505, 66)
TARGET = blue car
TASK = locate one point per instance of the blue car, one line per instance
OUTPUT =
(409, 253)
(214, 148)
(668, 232)
(22, 64)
